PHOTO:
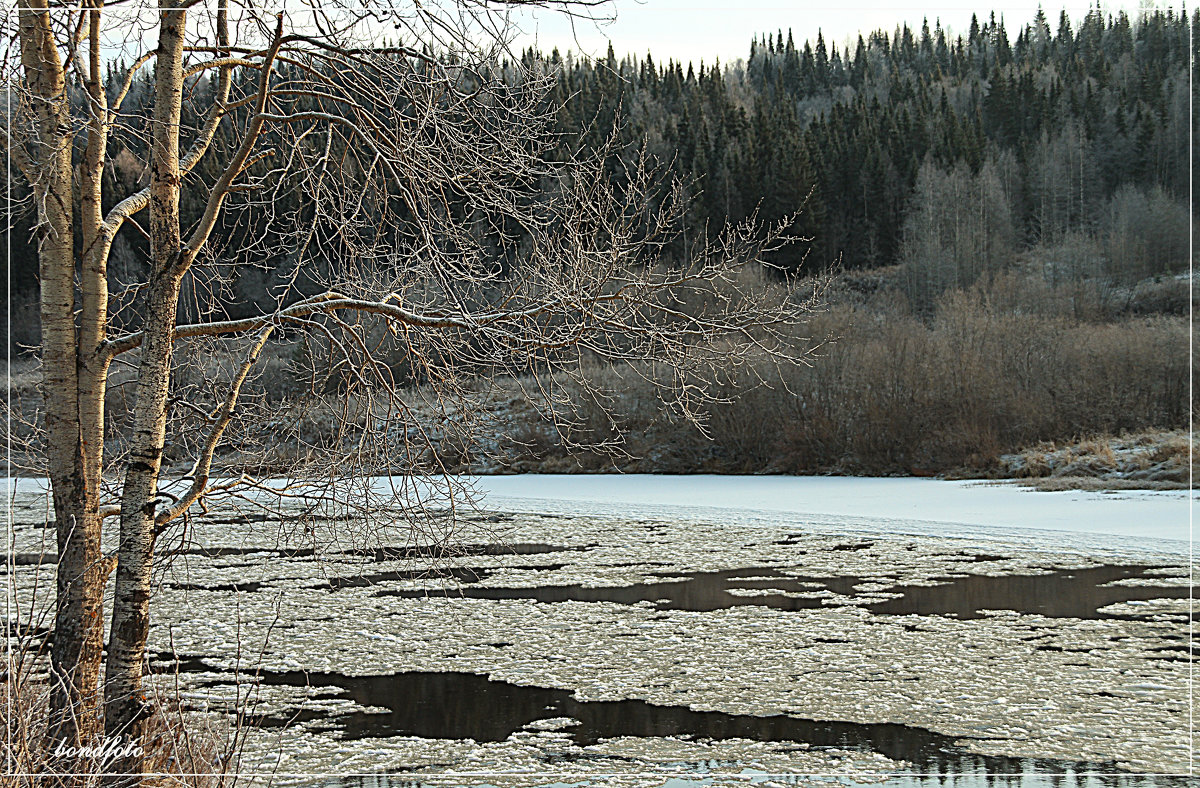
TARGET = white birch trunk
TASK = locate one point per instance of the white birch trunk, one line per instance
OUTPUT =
(78, 632)
(125, 708)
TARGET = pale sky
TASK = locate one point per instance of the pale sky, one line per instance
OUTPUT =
(695, 29)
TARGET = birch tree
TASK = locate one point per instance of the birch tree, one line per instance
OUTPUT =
(959, 229)
(424, 212)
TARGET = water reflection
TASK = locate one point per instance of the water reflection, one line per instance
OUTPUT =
(698, 591)
(1065, 593)
(463, 705)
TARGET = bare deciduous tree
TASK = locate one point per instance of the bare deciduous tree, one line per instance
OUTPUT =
(421, 228)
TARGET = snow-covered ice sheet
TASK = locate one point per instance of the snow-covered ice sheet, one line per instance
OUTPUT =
(1138, 520)
(899, 504)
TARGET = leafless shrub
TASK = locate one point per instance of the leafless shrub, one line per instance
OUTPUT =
(981, 381)
(993, 370)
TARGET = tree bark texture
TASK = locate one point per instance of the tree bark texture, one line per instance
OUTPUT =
(125, 705)
(78, 636)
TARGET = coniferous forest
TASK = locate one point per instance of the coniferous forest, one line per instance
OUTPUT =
(1066, 128)
(1036, 170)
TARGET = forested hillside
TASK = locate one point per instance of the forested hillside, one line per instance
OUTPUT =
(1008, 208)
(1076, 130)
(949, 153)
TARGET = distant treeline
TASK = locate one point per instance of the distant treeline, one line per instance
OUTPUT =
(949, 154)
(1066, 117)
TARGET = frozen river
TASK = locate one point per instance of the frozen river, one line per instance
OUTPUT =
(625, 630)
(1154, 521)
(1159, 521)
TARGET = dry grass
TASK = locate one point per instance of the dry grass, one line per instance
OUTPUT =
(1150, 459)
(183, 752)
(1094, 484)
